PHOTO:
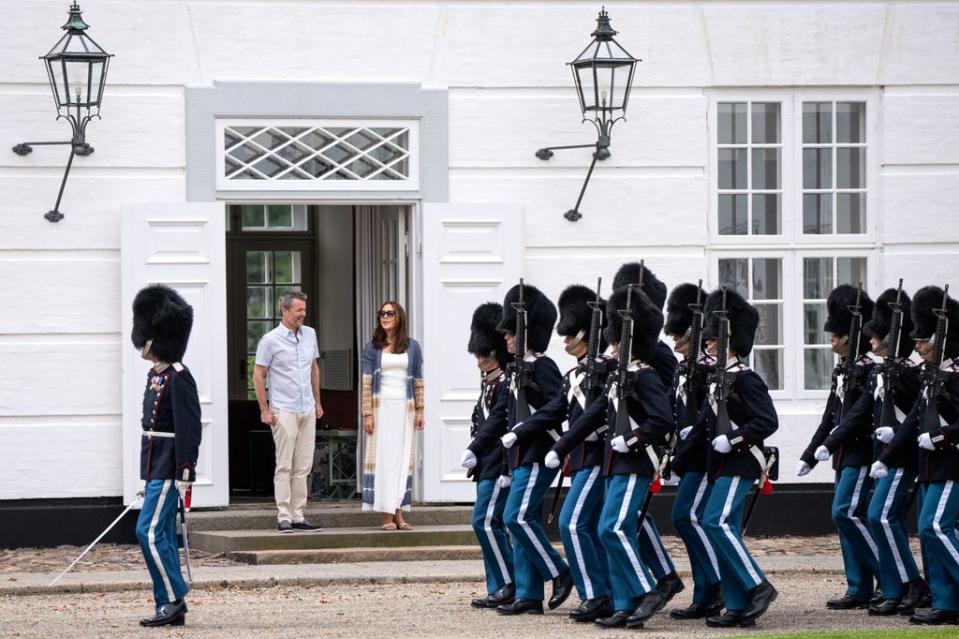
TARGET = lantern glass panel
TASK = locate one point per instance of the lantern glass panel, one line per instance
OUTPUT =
(587, 87)
(77, 82)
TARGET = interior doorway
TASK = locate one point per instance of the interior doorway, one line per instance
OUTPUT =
(347, 259)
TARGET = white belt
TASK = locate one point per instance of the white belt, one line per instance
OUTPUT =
(158, 433)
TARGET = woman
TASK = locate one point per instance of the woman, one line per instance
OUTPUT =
(392, 367)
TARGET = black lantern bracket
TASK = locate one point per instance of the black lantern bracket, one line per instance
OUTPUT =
(603, 74)
(75, 59)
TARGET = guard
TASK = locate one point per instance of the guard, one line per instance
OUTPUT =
(171, 439)
(485, 457)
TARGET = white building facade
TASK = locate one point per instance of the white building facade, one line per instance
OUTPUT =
(779, 147)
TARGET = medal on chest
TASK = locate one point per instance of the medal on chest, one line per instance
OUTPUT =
(157, 382)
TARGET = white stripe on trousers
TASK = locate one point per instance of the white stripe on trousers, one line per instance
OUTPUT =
(884, 519)
(694, 520)
(534, 473)
(655, 542)
(488, 527)
(152, 542)
(853, 504)
(940, 507)
(740, 549)
(574, 535)
(623, 511)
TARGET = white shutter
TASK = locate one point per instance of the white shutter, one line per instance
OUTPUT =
(472, 253)
(182, 245)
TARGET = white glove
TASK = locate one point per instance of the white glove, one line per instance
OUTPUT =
(504, 481)
(684, 433)
(619, 444)
(508, 440)
(878, 470)
(884, 434)
(592, 437)
(721, 444)
(802, 469)
(822, 453)
(552, 460)
(468, 460)
(925, 441)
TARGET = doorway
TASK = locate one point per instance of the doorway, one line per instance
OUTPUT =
(344, 257)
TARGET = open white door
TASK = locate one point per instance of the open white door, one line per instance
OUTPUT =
(183, 245)
(472, 253)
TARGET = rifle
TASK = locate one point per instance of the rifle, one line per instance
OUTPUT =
(720, 391)
(850, 379)
(933, 376)
(521, 368)
(625, 354)
(890, 367)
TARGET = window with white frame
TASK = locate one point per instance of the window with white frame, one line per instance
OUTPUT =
(255, 154)
(789, 182)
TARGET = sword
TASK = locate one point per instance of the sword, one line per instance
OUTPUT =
(764, 487)
(185, 500)
(139, 496)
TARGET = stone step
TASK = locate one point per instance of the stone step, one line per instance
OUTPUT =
(354, 555)
(227, 541)
(345, 516)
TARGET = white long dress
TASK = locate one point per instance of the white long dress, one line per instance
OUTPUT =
(393, 429)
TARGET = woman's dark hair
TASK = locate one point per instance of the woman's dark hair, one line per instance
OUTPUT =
(402, 340)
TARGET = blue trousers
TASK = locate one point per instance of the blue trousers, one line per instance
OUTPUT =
(860, 555)
(651, 549)
(628, 577)
(887, 518)
(579, 529)
(937, 533)
(156, 531)
(723, 523)
(491, 533)
(688, 509)
(534, 557)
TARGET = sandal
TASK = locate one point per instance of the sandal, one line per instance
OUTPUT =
(389, 526)
(405, 526)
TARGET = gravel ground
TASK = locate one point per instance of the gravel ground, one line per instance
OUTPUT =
(412, 610)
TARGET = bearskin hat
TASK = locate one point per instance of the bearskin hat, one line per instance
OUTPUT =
(743, 320)
(924, 302)
(647, 322)
(881, 320)
(575, 315)
(679, 317)
(161, 315)
(839, 317)
(484, 338)
(540, 317)
(652, 286)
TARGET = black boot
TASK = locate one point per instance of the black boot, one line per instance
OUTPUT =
(912, 596)
(669, 586)
(935, 618)
(847, 603)
(759, 599)
(650, 603)
(615, 620)
(562, 587)
(730, 619)
(591, 609)
(885, 608)
(504, 595)
(521, 606)
(877, 598)
(170, 614)
(710, 606)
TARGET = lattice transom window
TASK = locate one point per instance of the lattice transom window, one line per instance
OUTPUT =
(315, 154)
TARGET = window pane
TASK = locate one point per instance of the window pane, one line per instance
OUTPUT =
(734, 273)
(851, 168)
(766, 214)
(816, 122)
(817, 213)
(252, 215)
(255, 331)
(259, 302)
(732, 123)
(286, 266)
(768, 363)
(850, 122)
(770, 329)
(732, 214)
(851, 270)
(765, 122)
(258, 267)
(814, 317)
(817, 168)
(765, 169)
(299, 217)
(280, 216)
(850, 213)
(767, 278)
(817, 277)
(817, 368)
(732, 168)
